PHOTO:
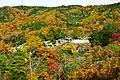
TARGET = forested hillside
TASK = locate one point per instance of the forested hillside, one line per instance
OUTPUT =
(24, 30)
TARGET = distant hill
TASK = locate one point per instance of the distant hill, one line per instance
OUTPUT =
(19, 18)
(116, 5)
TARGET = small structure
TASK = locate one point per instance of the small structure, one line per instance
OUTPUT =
(77, 41)
(61, 41)
(18, 47)
(69, 39)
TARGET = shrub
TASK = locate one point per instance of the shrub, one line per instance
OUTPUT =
(114, 47)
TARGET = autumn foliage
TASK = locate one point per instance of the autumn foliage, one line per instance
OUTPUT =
(24, 55)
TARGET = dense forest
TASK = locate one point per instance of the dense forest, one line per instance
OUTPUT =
(24, 55)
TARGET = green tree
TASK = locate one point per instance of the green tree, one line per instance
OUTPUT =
(51, 35)
(76, 33)
(95, 37)
(102, 37)
(106, 33)
(3, 59)
(16, 64)
(59, 33)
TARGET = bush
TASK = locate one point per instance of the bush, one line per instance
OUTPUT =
(114, 47)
